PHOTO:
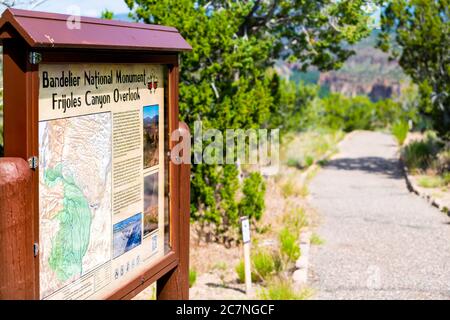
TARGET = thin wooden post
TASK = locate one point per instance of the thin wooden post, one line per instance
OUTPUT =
(17, 279)
(248, 271)
(247, 260)
(20, 98)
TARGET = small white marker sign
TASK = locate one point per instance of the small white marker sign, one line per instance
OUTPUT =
(245, 229)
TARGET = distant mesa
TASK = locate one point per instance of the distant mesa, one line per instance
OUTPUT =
(150, 121)
(369, 72)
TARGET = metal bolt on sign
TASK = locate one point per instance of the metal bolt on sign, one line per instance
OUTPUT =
(33, 162)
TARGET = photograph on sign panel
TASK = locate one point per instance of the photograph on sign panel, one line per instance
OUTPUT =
(151, 136)
(127, 234)
(150, 203)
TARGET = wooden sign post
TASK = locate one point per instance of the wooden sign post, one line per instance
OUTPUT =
(247, 260)
(98, 211)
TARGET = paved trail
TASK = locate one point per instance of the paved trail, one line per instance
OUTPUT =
(381, 242)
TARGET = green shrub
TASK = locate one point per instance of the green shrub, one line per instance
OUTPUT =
(254, 189)
(280, 289)
(215, 209)
(309, 161)
(295, 220)
(240, 271)
(303, 191)
(388, 111)
(316, 239)
(417, 155)
(443, 161)
(288, 189)
(264, 264)
(289, 246)
(420, 155)
(400, 131)
(192, 277)
(348, 114)
(435, 181)
(304, 163)
(339, 112)
(431, 182)
(431, 157)
(218, 219)
(294, 163)
(446, 178)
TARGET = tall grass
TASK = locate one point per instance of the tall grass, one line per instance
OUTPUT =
(264, 265)
(420, 155)
(429, 157)
(295, 220)
(240, 271)
(431, 182)
(400, 131)
(316, 240)
(289, 246)
(288, 189)
(443, 161)
(282, 289)
(292, 188)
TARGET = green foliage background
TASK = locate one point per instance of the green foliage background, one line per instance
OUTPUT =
(421, 29)
(227, 82)
(339, 112)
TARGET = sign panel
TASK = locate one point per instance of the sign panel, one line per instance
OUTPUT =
(101, 176)
(245, 230)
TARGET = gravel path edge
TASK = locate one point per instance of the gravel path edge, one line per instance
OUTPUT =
(413, 187)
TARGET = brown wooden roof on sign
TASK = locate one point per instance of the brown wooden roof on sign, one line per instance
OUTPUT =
(49, 30)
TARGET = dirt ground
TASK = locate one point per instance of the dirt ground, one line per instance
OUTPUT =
(215, 265)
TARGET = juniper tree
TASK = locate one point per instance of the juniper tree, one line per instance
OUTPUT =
(421, 30)
(225, 80)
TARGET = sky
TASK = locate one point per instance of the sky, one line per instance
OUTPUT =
(150, 111)
(94, 8)
(90, 8)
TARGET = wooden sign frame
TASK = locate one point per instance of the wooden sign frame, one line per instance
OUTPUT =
(21, 98)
